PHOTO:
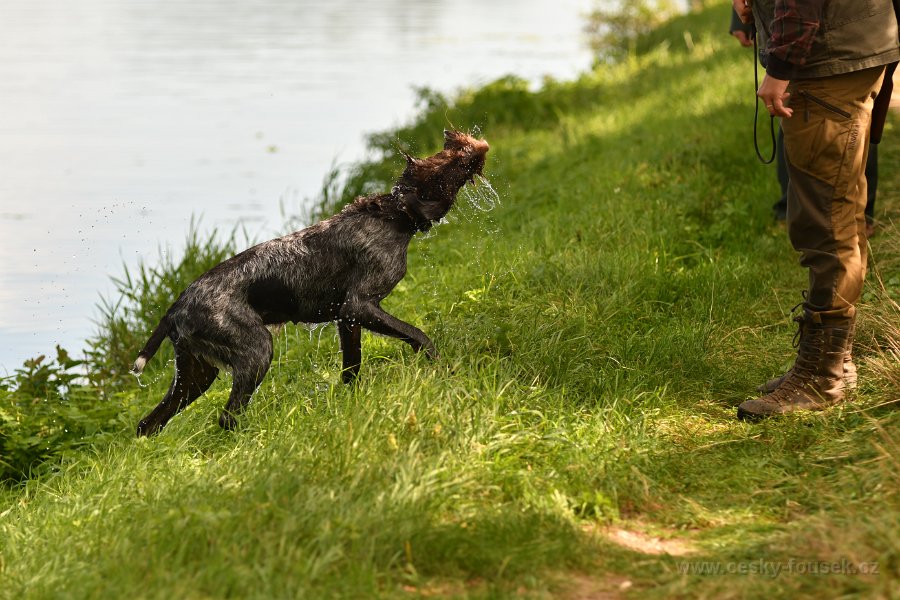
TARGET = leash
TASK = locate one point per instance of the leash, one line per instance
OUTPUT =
(756, 108)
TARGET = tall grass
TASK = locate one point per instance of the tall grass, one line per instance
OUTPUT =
(597, 330)
(140, 299)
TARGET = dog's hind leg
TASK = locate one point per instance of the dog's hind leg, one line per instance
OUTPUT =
(193, 376)
(249, 367)
(351, 348)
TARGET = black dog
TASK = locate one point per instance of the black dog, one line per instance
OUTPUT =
(338, 270)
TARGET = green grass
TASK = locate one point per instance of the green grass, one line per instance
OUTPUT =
(597, 330)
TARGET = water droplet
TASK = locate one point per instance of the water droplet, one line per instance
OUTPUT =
(482, 197)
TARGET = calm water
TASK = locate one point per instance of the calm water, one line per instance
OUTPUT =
(122, 119)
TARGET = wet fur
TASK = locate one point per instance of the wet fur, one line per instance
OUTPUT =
(337, 270)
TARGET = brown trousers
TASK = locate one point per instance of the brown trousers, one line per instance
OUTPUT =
(826, 143)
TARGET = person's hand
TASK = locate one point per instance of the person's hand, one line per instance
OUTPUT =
(742, 37)
(774, 93)
(742, 8)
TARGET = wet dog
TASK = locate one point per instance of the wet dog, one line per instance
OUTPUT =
(338, 270)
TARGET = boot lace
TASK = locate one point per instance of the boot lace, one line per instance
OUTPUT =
(798, 319)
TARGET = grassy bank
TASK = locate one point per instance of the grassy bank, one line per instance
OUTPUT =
(577, 437)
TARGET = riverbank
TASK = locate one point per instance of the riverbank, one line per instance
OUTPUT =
(578, 436)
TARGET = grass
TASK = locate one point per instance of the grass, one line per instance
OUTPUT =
(597, 330)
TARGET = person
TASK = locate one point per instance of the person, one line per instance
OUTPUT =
(743, 33)
(825, 63)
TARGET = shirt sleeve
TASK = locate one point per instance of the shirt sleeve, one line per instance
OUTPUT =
(793, 29)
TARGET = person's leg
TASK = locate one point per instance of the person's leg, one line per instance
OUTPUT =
(780, 207)
(826, 142)
(872, 183)
(827, 150)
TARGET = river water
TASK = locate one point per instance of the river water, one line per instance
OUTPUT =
(120, 120)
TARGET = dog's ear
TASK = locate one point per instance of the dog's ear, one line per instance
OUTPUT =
(410, 160)
(451, 138)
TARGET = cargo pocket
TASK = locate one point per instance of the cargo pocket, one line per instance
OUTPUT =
(822, 138)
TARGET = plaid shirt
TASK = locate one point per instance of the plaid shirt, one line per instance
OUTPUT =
(794, 28)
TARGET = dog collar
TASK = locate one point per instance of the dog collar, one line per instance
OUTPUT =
(418, 222)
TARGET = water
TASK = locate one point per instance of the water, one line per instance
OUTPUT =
(481, 196)
(122, 119)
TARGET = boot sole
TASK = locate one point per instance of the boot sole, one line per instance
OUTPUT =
(749, 417)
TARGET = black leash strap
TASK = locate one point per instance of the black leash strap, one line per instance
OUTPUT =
(756, 108)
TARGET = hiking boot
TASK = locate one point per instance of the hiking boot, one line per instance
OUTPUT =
(849, 378)
(849, 366)
(816, 380)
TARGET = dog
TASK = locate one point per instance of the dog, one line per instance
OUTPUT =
(337, 270)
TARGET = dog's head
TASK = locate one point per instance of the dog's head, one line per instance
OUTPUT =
(437, 179)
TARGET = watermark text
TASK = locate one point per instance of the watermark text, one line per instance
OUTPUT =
(774, 569)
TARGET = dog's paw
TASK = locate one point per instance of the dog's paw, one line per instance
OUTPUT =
(145, 428)
(227, 421)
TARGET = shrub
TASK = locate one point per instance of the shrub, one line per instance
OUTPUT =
(52, 406)
(614, 31)
(48, 409)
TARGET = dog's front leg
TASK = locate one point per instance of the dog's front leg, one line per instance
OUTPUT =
(374, 318)
(351, 348)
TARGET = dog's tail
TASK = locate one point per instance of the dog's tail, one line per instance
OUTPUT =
(152, 345)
